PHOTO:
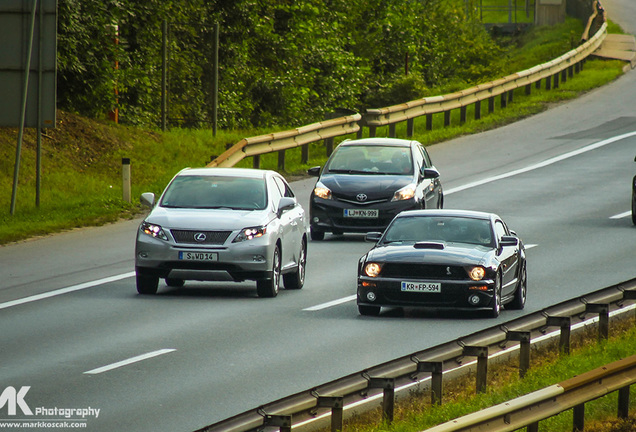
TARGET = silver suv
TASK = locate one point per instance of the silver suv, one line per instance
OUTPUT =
(223, 224)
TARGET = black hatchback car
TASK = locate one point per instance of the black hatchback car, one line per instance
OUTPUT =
(367, 182)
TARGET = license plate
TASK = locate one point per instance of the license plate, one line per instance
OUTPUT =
(429, 287)
(361, 213)
(199, 256)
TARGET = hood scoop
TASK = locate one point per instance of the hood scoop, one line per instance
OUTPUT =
(429, 245)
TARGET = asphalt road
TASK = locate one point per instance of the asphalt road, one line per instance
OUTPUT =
(76, 333)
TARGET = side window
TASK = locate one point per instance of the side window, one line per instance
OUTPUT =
(420, 160)
(427, 158)
(500, 229)
(283, 187)
(276, 192)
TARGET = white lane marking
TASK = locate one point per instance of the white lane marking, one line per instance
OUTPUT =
(621, 215)
(331, 303)
(541, 164)
(129, 361)
(353, 297)
(66, 290)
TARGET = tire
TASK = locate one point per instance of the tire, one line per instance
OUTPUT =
(147, 284)
(369, 310)
(496, 300)
(176, 283)
(296, 279)
(269, 287)
(316, 235)
(519, 301)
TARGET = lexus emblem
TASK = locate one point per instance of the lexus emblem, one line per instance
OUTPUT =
(361, 197)
(200, 237)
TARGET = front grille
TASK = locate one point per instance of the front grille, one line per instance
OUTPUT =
(361, 222)
(423, 271)
(211, 237)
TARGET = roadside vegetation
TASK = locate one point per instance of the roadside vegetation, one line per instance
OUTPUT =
(81, 181)
(415, 413)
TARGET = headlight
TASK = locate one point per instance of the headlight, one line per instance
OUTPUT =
(477, 273)
(153, 230)
(322, 192)
(250, 233)
(406, 193)
(372, 269)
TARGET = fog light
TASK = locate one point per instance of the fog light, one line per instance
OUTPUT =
(474, 300)
(316, 219)
(258, 258)
(371, 296)
(142, 254)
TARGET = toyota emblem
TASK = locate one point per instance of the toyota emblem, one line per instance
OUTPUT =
(200, 237)
(361, 197)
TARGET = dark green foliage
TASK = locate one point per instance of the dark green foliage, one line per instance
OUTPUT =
(281, 62)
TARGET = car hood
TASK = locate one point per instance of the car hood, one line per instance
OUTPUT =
(208, 219)
(459, 254)
(374, 185)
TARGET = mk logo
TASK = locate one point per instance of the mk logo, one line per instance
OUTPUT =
(12, 399)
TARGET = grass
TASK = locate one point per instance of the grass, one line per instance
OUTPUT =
(415, 413)
(81, 178)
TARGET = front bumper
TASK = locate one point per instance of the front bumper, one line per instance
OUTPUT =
(248, 260)
(328, 215)
(455, 294)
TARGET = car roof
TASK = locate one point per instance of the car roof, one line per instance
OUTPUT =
(396, 142)
(226, 172)
(449, 213)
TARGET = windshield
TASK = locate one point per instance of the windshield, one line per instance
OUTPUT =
(388, 160)
(216, 192)
(441, 229)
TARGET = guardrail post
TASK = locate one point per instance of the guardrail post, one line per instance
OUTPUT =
(603, 318)
(491, 105)
(556, 80)
(564, 323)
(462, 115)
(336, 403)
(504, 100)
(410, 127)
(481, 352)
(623, 402)
(372, 131)
(256, 161)
(523, 337)
(578, 418)
(511, 95)
(533, 427)
(304, 154)
(548, 83)
(125, 176)
(281, 160)
(447, 118)
(478, 110)
(564, 75)
(328, 146)
(392, 133)
(284, 422)
(388, 399)
(429, 122)
(435, 369)
(528, 89)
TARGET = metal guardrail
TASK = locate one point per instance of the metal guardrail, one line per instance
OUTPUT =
(382, 380)
(552, 71)
(528, 410)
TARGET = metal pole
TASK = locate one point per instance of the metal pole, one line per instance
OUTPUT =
(164, 73)
(23, 109)
(215, 66)
(38, 159)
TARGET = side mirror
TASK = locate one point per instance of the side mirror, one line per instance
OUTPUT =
(286, 203)
(429, 173)
(373, 237)
(314, 171)
(508, 241)
(147, 199)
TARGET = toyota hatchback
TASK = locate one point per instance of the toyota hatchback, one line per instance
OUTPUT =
(223, 224)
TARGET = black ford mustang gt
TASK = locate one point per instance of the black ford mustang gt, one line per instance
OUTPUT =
(455, 259)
